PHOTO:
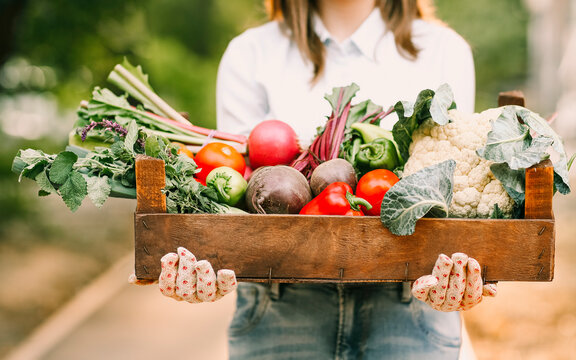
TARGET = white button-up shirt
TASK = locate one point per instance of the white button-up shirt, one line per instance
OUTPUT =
(262, 74)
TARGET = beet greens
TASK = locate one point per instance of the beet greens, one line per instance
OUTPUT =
(328, 143)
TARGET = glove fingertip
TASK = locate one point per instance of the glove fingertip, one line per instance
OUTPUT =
(226, 274)
(169, 259)
(490, 290)
(460, 259)
(203, 264)
(181, 249)
(186, 254)
(132, 279)
(473, 263)
(422, 286)
(426, 281)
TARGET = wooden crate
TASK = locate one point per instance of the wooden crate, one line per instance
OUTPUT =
(296, 248)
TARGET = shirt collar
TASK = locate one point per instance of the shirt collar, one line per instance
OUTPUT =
(320, 29)
(366, 37)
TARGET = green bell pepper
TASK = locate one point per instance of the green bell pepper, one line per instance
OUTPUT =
(371, 132)
(378, 154)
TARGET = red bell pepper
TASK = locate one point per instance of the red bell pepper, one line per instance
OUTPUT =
(335, 199)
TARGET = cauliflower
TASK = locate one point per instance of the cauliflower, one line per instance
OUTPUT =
(476, 190)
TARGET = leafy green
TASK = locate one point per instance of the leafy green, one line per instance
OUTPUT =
(183, 193)
(510, 141)
(497, 213)
(76, 173)
(74, 190)
(62, 167)
(441, 102)
(99, 189)
(522, 145)
(428, 105)
(428, 191)
(365, 111)
(115, 78)
(153, 146)
(104, 104)
(46, 187)
(29, 163)
(338, 99)
(512, 180)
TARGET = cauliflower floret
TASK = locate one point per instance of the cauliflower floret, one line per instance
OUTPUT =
(494, 194)
(476, 190)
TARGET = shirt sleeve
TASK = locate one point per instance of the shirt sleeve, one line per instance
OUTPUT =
(240, 98)
(459, 71)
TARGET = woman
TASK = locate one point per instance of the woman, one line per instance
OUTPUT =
(392, 49)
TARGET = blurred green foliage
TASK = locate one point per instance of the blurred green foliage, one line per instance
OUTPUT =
(68, 47)
(497, 33)
(177, 42)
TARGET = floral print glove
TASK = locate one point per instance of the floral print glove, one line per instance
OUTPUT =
(455, 284)
(184, 278)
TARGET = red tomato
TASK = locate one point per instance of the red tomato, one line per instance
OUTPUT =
(372, 187)
(216, 154)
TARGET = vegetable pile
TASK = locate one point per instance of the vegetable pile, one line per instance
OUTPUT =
(110, 131)
(436, 161)
(328, 144)
(466, 165)
(140, 103)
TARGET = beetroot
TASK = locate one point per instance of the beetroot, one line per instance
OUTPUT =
(277, 190)
(331, 171)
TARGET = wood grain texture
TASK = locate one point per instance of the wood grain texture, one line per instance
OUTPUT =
(150, 180)
(294, 248)
(539, 185)
(513, 97)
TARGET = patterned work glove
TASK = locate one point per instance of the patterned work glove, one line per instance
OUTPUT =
(184, 278)
(455, 284)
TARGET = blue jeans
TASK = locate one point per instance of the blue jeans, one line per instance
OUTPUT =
(338, 321)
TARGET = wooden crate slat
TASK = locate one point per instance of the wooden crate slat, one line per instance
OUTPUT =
(150, 180)
(513, 97)
(297, 248)
(539, 185)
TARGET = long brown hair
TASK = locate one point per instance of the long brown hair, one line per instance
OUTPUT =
(397, 14)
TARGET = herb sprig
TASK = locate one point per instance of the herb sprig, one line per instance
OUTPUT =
(76, 173)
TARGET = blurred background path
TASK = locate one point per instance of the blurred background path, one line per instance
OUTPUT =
(111, 319)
